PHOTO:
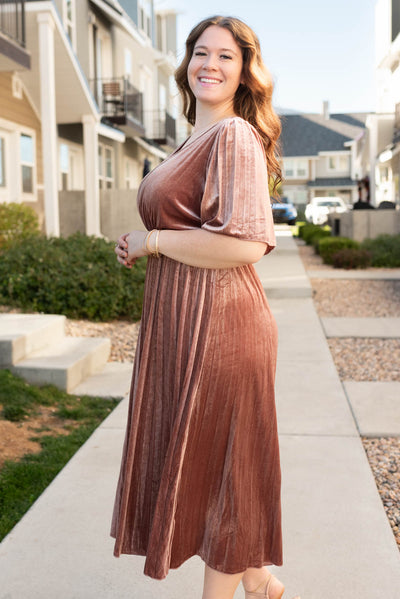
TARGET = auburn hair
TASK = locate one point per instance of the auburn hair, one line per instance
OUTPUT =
(253, 98)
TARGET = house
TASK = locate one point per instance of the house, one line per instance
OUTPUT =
(93, 110)
(322, 155)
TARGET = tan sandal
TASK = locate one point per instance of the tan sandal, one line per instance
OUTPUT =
(257, 595)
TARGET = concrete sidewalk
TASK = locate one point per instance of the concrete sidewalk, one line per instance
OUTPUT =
(337, 539)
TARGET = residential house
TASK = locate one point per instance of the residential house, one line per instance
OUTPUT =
(103, 110)
(322, 155)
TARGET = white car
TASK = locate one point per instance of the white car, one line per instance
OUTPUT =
(319, 208)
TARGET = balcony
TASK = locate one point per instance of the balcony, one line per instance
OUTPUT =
(120, 104)
(396, 129)
(160, 127)
(13, 55)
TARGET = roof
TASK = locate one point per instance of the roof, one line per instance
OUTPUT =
(332, 182)
(310, 134)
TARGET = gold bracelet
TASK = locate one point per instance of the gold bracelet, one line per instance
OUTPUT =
(157, 250)
(148, 248)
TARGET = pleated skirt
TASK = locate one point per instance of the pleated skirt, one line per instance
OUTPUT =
(200, 472)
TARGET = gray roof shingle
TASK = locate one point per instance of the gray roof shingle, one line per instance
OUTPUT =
(309, 134)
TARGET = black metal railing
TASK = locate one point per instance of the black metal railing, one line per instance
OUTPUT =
(12, 20)
(118, 98)
(161, 127)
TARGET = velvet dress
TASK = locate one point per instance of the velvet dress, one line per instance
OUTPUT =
(200, 472)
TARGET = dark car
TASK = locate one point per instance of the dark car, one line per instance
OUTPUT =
(284, 211)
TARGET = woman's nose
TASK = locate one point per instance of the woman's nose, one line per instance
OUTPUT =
(210, 62)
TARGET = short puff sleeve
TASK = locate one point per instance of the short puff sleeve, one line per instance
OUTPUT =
(236, 199)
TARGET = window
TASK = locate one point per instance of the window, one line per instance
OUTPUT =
(71, 166)
(64, 166)
(2, 163)
(338, 163)
(106, 167)
(289, 168)
(27, 162)
(145, 16)
(69, 20)
(302, 168)
(295, 168)
(131, 174)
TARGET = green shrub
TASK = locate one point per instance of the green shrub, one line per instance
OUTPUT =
(17, 221)
(352, 258)
(78, 276)
(385, 250)
(298, 227)
(317, 236)
(309, 231)
(328, 246)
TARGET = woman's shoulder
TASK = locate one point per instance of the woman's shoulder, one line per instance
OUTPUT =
(238, 130)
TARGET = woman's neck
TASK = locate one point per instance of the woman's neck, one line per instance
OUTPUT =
(205, 117)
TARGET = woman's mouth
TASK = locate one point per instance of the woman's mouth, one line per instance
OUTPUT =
(209, 80)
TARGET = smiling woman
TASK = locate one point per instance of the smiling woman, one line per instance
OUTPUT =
(200, 472)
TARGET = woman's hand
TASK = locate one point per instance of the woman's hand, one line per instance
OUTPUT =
(130, 247)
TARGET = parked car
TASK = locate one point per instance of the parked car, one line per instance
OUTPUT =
(319, 208)
(284, 212)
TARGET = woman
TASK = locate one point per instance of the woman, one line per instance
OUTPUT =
(200, 471)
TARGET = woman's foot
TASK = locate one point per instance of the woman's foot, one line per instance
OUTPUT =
(269, 588)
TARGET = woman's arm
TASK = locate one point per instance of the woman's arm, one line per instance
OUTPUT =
(195, 247)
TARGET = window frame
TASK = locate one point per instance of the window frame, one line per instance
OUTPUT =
(28, 195)
(295, 169)
(75, 175)
(70, 23)
(145, 17)
(336, 158)
(106, 182)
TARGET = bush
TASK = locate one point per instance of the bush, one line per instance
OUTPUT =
(77, 276)
(351, 258)
(330, 245)
(17, 221)
(309, 232)
(322, 233)
(385, 250)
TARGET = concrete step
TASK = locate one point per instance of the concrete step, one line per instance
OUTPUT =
(66, 363)
(113, 381)
(23, 334)
(376, 407)
(383, 328)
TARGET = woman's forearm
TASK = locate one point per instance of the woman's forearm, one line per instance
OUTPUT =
(204, 249)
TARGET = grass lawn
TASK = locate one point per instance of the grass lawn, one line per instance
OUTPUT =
(40, 430)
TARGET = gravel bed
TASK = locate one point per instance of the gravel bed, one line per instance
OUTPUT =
(384, 458)
(366, 359)
(123, 336)
(356, 298)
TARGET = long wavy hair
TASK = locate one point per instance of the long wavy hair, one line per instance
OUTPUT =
(253, 98)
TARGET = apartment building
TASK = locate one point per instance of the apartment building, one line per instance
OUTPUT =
(385, 126)
(90, 113)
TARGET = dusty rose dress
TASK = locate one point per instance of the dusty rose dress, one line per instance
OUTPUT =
(200, 471)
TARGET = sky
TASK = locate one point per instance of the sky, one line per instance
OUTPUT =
(314, 50)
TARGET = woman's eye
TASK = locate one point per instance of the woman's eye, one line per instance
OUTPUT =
(198, 53)
(226, 56)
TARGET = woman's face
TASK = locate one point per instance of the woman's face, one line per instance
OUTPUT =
(215, 69)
